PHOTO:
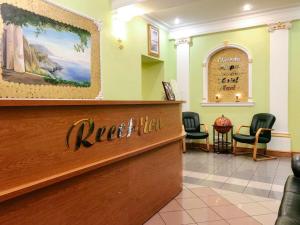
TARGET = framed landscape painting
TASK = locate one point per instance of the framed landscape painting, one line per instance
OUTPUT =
(47, 52)
(153, 41)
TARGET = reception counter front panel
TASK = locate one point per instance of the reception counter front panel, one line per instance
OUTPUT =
(88, 162)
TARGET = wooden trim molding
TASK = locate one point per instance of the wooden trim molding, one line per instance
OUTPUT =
(281, 135)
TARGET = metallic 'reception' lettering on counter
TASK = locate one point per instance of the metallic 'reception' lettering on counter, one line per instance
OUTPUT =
(86, 129)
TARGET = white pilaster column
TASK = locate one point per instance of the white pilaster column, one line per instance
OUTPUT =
(279, 99)
(183, 70)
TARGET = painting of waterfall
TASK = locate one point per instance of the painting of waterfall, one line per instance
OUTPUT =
(38, 50)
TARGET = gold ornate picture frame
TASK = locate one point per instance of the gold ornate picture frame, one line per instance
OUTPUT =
(47, 52)
(153, 41)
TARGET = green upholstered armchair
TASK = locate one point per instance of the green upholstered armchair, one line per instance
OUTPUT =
(259, 132)
(192, 127)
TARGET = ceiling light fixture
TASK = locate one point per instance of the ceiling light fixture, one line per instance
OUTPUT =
(247, 7)
(176, 21)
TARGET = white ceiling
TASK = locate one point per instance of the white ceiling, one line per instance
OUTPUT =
(202, 11)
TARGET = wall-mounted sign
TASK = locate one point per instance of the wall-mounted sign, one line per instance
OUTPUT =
(228, 74)
(47, 52)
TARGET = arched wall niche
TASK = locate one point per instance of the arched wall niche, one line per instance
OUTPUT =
(227, 76)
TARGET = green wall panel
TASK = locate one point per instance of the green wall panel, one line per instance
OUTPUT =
(294, 86)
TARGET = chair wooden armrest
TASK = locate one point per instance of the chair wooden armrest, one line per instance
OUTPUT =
(259, 132)
(240, 127)
(183, 131)
(205, 127)
(183, 140)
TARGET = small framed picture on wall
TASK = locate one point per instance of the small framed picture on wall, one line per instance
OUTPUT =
(153, 41)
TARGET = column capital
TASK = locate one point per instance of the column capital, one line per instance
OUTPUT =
(182, 41)
(280, 26)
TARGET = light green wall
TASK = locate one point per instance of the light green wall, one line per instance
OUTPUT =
(256, 40)
(170, 64)
(152, 77)
(121, 69)
(294, 85)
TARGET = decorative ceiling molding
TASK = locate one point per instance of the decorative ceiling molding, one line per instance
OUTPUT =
(182, 41)
(280, 26)
(156, 23)
(259, 19)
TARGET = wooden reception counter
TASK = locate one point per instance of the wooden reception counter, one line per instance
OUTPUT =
(88, 162)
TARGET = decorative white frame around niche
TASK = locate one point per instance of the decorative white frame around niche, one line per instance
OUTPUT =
(205, 78)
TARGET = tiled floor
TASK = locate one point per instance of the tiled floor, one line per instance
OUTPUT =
(237, 173)
(223, 189)
(208, 206)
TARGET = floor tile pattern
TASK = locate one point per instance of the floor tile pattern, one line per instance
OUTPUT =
(237, 173)
(207, 206)
(226, 190)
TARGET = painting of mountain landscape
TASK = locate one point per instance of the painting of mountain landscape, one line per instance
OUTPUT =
(41, 51)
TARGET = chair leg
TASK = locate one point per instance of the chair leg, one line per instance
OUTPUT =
(207, 144)
(183, 145)
(254, 151)
(265, 156)
(234, 147)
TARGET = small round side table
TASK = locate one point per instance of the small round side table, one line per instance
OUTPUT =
(222, 142)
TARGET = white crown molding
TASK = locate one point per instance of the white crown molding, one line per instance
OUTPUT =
(259, 19)
(156, 23)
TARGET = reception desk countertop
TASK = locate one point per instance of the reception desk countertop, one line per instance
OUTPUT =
(29, 102)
